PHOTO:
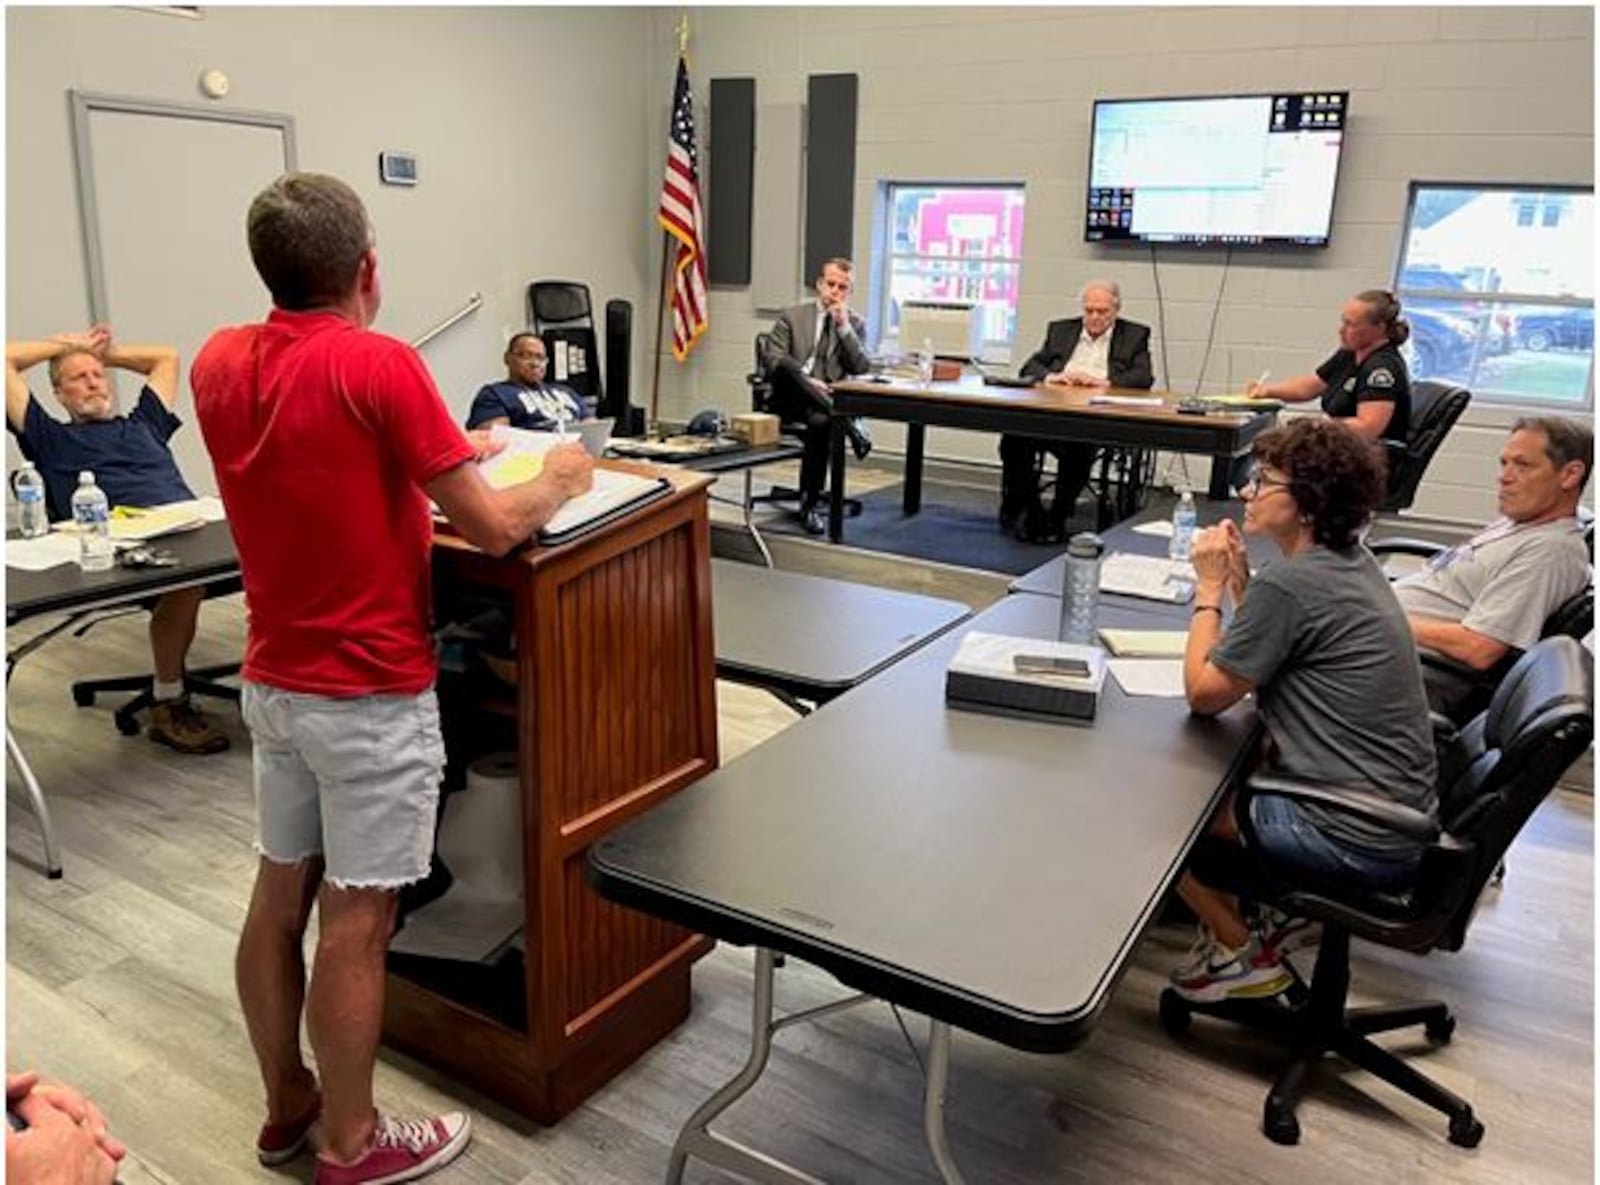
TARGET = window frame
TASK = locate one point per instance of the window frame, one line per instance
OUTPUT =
(1506, 401)
(887, 257)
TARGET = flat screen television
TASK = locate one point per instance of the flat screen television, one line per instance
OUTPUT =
(1226, 170)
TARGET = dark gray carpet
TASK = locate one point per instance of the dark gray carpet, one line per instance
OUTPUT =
(957, 525)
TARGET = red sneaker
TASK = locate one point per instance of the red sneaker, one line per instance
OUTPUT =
(279, 1143)
(402, 1150)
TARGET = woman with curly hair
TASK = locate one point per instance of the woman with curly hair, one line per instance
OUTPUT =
(1320, 639)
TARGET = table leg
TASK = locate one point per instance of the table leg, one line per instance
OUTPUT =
(916, 442)
(41, 809)
(836, 479)
(749, 518)
(933, 1102)
(1221, 467)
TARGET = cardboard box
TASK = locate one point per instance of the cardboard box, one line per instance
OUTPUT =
(754, 428)
(946, 370)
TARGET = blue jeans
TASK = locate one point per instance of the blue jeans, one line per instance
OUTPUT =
(1288, 834)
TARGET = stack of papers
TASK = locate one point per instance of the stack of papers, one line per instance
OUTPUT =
(1156, 678)
(523, 460)
(1126, 400)
(1150, 577)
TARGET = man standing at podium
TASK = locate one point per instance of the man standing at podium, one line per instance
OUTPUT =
(329, 440)
(810, 346)
(1098, 349)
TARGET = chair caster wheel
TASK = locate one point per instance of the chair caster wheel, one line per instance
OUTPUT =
(82, 696)
(1466, 1131)
(1175, 1014)
(1280, 1125)
(1440, 1030)
(128, 728)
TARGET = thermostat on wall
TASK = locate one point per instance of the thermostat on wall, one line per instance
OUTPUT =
(397, 168)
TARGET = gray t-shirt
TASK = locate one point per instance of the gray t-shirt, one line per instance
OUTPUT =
(1337, 680)
(1503, 582)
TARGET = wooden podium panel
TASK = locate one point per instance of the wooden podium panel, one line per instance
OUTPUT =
(614, 709)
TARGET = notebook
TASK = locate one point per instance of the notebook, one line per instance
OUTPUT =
(612, 495)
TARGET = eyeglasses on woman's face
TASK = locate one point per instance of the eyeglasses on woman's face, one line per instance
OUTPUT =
(1260, 482)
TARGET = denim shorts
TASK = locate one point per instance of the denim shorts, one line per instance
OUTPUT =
(355, 781)
(1286, 833)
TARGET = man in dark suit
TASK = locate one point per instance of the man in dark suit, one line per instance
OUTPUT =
(811, 346)
(1098, 349)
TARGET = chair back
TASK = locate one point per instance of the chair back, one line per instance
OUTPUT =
(1435, 407)
(560, 313)
(758, 378)
(1539, 722)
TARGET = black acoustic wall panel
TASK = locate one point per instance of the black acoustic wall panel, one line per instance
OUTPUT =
(830, 167)
(733, 151)
(619, 366)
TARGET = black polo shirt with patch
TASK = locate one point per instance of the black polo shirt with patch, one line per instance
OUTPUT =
(1382, 378)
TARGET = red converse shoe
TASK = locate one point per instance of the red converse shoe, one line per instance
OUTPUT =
(402, 1150)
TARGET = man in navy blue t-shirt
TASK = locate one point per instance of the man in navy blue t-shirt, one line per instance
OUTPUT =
(132, 464)
(524, 399)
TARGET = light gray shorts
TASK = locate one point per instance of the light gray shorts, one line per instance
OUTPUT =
(353, 780)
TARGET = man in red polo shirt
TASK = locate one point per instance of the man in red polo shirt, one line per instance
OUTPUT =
(328, 441)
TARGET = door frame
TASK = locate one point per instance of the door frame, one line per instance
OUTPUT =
(86, 103)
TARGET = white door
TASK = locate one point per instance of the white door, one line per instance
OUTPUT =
(170, 196)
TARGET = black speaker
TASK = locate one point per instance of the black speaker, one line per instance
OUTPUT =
(619, 366)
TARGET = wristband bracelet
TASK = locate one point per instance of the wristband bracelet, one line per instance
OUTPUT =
(1217, 609)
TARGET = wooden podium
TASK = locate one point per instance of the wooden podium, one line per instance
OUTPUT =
(613, 710)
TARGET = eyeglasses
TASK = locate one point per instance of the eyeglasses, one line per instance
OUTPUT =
(1257, 481)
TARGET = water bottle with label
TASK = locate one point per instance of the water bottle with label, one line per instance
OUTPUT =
(32, 520)
(92, 512)
(1183, 525)
(1080, 594)
(925, 362)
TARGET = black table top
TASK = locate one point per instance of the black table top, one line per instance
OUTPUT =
(989, 872)
(205, 556)
(811, 636)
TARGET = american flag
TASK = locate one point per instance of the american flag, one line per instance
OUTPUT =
(679, 216)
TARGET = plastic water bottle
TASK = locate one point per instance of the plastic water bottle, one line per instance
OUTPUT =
(1183, 524)
(92, 512)
(32, 520)
(1080, 594)
(925, 362)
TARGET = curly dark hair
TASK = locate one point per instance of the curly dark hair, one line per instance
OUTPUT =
(1336, 478)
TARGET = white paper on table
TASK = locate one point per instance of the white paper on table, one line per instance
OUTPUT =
(1161, 528)
(48, 551)
(1158, 677)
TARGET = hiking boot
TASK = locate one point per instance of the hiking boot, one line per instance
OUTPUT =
(1250, 972)
(279, 1143)
(179, 725)
(402, 1150)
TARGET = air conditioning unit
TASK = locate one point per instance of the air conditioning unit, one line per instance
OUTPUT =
(954, 327)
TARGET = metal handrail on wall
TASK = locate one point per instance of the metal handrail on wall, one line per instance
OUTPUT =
(474, 303)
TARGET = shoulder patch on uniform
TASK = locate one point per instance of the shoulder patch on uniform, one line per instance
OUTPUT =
(1381, 376)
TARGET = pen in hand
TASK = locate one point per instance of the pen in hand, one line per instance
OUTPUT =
(1257, 387)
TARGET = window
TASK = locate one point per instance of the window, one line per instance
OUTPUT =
(956, 243)
(1498, 285)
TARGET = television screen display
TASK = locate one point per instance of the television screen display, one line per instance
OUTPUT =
(1242, 169)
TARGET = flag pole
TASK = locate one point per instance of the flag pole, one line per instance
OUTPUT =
(682, 29)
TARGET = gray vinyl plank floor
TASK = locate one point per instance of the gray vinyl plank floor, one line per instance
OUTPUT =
(119, 978)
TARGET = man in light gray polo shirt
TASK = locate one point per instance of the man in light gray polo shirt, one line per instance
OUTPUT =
(1483, 599)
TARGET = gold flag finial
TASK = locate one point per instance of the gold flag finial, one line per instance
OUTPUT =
(683, 33)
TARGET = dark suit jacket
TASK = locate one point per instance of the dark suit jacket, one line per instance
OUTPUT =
(789, 345)
(1127, 363)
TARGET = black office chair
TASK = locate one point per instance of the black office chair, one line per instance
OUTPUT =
(761, 400)
(1540, 720)
(560, 313)
(196, 681)
(1435, 407)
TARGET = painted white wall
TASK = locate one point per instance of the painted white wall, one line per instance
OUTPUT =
(1438, 94)
(526, 123)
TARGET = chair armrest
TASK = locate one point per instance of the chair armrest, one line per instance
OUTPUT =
(1422, 548)
(1350, 800)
